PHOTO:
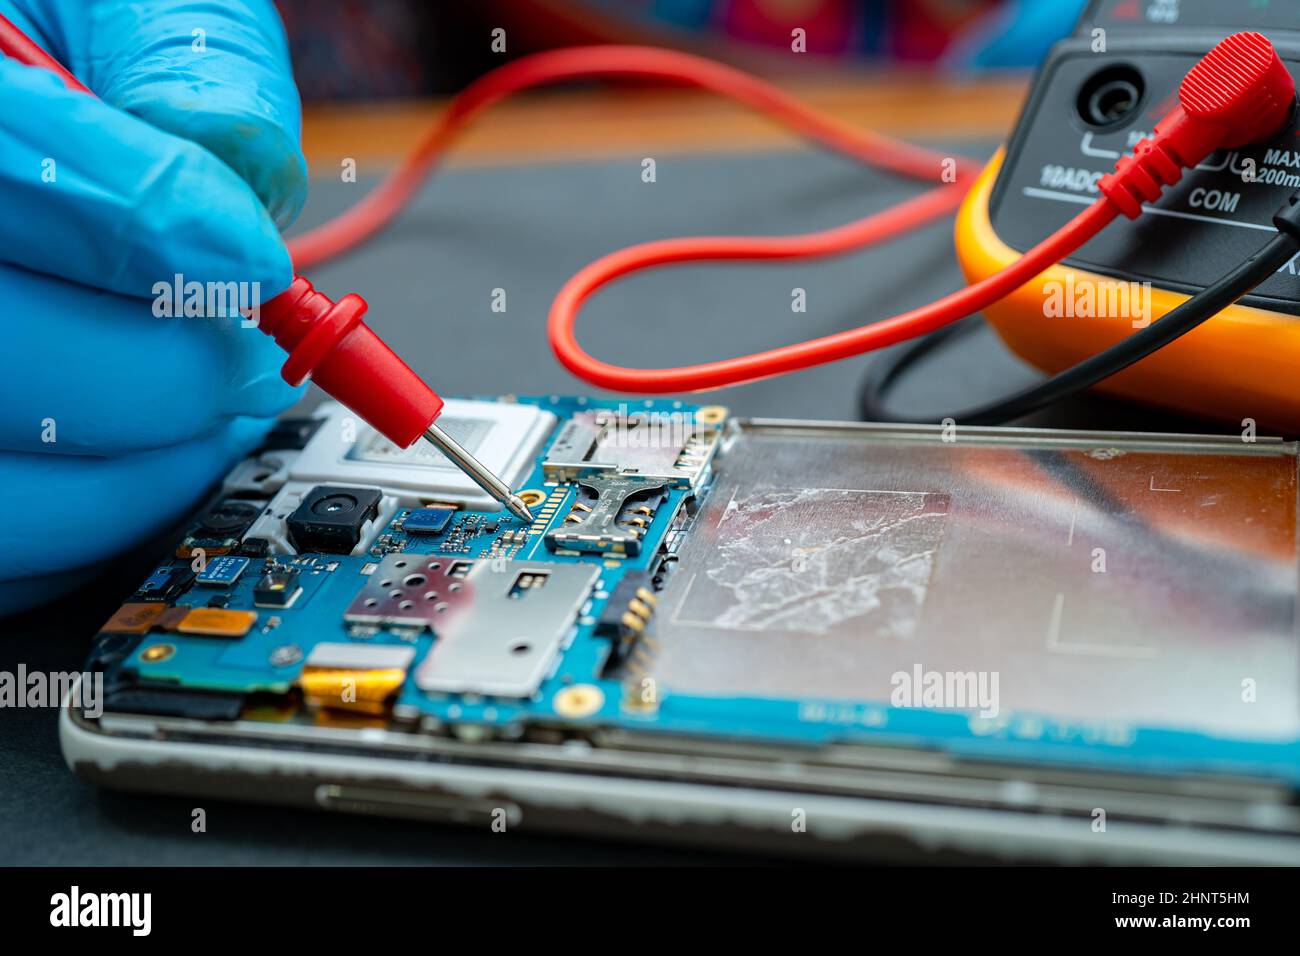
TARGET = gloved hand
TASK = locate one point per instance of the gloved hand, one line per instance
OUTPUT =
(113, 421)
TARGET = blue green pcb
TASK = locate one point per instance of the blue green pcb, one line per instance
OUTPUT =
(582, 688)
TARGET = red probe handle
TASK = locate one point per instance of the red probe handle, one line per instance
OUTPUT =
(329, 343)
(1240, 92)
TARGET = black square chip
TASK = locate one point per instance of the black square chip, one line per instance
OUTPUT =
(331, 517)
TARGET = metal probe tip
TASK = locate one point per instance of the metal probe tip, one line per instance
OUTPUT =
(475, 469)
(517, 508)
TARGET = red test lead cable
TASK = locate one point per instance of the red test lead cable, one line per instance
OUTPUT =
(381, 204)
(1238, 93)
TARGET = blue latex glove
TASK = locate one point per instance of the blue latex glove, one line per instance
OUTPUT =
(187, 166)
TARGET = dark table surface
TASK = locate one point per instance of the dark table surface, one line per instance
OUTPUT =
(430, 280)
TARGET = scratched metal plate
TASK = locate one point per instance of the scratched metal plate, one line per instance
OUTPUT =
(1134, 578)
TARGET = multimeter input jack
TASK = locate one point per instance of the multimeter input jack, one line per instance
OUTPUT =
(1111, 96)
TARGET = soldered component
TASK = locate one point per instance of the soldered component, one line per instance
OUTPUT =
(462, 533)
(221, 529)
(222, 571)
(255, 547)
(626, 615)
(165, 585)
(277, 588)
(133, 618)
(612, 519)
(217, 622)
(408, 590)
(675, 448)
(426, 520)
(503, 637)
(387, 544)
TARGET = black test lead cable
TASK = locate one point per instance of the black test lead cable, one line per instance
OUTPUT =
(1207, 303)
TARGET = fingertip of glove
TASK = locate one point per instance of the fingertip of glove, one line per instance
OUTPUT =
(218, 75)
(260, 150)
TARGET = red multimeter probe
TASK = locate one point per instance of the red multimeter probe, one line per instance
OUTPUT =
(1239, 92)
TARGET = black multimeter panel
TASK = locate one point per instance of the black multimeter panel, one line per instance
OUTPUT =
(1101, 91)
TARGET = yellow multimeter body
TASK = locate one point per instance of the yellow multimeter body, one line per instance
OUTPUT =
(1097, 93)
